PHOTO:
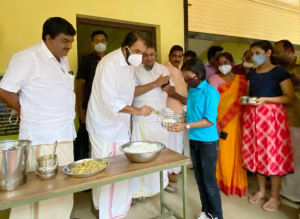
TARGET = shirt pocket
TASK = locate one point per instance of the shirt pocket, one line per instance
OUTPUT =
(70, 81)
(127, 91)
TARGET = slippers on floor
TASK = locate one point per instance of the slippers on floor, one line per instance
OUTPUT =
(272, 205)
(133, 202)
(256, 198)
(141, 199)
(171, 189)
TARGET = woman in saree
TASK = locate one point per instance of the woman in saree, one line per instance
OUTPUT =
(231, 176)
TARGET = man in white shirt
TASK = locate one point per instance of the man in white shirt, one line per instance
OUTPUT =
(151, 78)
(46, 104)
(108, 117)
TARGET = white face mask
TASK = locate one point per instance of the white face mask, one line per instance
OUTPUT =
(134, 59)
(224, 69)
(100, 47)
(247, 64)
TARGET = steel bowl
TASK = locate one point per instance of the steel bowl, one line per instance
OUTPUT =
(142, 157)
(48, 175)
(46, 161)
(46, 170)
(68, 169)
(245, 100)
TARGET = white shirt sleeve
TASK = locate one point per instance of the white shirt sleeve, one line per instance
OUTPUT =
(108, 88)
(22, 68)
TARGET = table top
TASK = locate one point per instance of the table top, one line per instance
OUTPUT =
(119, 168)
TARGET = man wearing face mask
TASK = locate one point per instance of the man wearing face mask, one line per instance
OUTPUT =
(108, 117)
(211, 67)
(84, 81)
(245, 66)
(284, 54)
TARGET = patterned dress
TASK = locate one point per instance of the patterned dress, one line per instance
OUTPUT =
(267, 147)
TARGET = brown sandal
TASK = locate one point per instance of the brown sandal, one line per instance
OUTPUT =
(274, 202)
(258, 196)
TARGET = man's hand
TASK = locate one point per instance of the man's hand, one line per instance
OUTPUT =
(161, 80)
(144, 111)
(170, 90)
(81, 114)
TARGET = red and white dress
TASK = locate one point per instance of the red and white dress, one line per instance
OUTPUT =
(267, 147)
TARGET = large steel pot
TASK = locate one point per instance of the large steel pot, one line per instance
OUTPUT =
(13, 163)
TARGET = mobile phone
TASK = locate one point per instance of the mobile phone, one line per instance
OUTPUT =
(223, 135)
(162, 86)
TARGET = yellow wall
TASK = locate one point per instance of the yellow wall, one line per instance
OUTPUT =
(244, 18)
(22, 20)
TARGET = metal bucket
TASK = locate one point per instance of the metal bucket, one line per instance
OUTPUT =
(13, 163)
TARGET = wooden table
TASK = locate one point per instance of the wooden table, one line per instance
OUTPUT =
(119, 169)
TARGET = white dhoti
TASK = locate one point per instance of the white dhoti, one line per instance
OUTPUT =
(60, 207)
(175, 143)
(290, 187)
(113, 201)
(148, 185)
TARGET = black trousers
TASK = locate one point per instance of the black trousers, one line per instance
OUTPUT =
(204, 157)
(81, 143)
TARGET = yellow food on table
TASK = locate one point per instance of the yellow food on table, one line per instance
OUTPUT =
(89, 166)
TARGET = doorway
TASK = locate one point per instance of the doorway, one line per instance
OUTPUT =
(115, 30)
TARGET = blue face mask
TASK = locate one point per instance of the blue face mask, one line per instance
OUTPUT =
(259, 59)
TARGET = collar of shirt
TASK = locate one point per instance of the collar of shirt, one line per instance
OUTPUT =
(95, 56)
(202, 84)
(49, 54)
(122, 58)
(209, 65)
(154, 71)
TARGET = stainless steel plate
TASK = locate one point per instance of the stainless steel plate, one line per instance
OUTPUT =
(68, 169)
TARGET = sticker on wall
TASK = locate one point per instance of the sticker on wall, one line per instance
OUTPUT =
(9, 123)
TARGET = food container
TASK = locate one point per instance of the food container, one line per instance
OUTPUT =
(244, 100)
(142, 157)
(51, 173)
(68, 169)
(13, 163)
(47, 167)
(167, 123)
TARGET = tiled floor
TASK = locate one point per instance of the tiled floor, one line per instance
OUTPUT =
(233, 206)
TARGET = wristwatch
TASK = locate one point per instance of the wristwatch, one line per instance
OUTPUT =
(188, 126)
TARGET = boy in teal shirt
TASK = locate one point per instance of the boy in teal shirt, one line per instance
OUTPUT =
(201, 118)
